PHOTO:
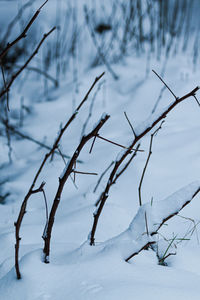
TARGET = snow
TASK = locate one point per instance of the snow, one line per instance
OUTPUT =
(77, 270)
(137, 235)
(150, 120)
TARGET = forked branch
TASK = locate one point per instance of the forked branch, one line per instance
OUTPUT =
(23, 34)
(118, 163)
(62, 180)
(14, 76)
(46, 157)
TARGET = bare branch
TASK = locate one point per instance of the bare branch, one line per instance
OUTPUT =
(127, 164)
(130, 123)
(160, 224)
(62, 156)
(109, 141)
(197, 100)
(165, 84)
(175, 213)
(119, 145)
(118, 163)
(158, 100)
(91, 107)
(100, 178)
(23, 34)
(14, 76)
(47, 214)
(49, 154)
(62, 181)
(146, 223)
(5, 87)
(92, 144)
(147, 161)
(146, 246)
(40, 189)
(17, 227)
(104, 195)
(84, 173)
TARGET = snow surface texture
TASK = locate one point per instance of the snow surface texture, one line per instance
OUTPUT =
(78, 271)
(101, 260)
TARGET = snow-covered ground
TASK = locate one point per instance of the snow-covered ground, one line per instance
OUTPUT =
(77, 270)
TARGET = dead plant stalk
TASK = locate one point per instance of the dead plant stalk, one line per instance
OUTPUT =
(62, 181)
(104, 195)
(14, 76)
(30, 192)
(23, 34)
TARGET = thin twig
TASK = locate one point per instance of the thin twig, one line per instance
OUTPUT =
(48, 155)
(104, 195)
(47, 214)
(62, 181)
(100, 178)
(92, 144)
(146, 223)
(146, 246)
(84, 173)
(175, 213)
(109, 141)
(14, 76)
(46, 206)
(117, 144)
(62, 156)
(127, 164)
(168, 256)
(130, 124)
(23, 34)
(5, 87)
(196, 100)
(91, 108)
(158, 100)
(165, 84)
(147, 161)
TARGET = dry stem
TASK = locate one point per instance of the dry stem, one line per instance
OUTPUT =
(104, 195)
(146, 164)
(23, 34)
(62, 181)
(14, 76)
(30, 192)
